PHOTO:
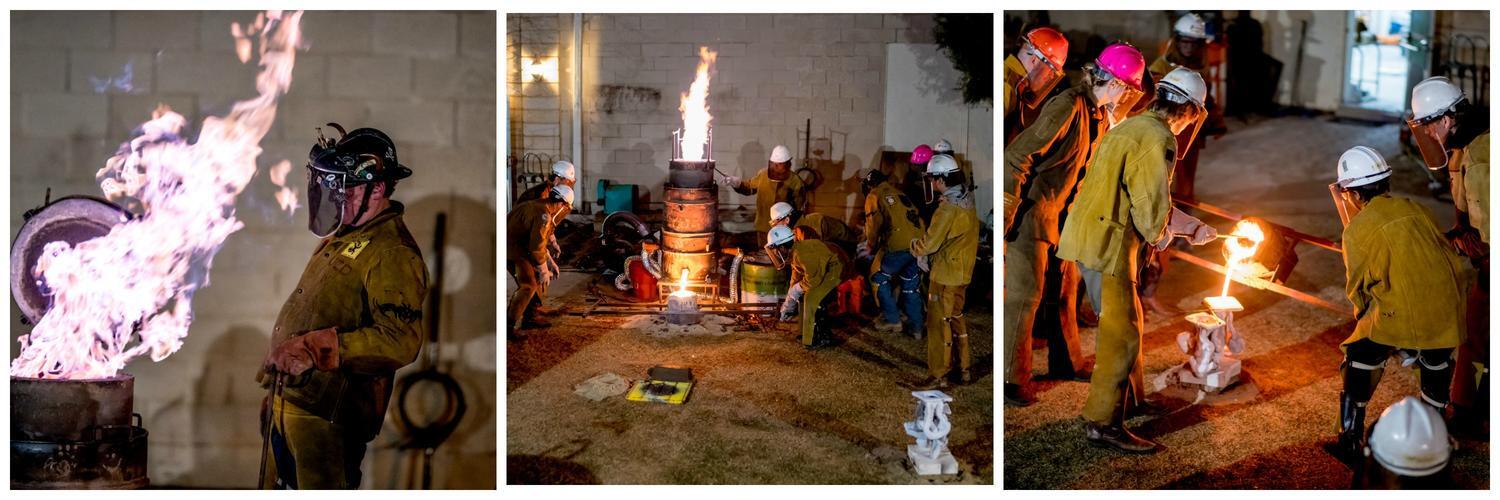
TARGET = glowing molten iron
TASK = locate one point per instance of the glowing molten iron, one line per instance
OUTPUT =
(682, 282)
(1246, 237)
(130, 292)
(695, 117)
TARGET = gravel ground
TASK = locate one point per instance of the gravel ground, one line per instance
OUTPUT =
(1268, 433)
(764, 410)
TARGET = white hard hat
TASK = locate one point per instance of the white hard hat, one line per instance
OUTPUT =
(563, 192)
(943, 147)
(1185, 83)
(1361, 165)
(942, 165)
(780, 154)
(1191, 26)
(780, 210)
(1433, 97)
(778, 235)
(565, 169)
(1410, 439)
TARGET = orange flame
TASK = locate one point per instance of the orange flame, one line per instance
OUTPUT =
(130, 292)
(1241, 248)
(284, 195)
(694, 108)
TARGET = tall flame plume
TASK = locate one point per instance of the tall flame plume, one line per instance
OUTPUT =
(694, 108)
(130, 292)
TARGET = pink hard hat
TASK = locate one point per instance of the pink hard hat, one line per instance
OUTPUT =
(1123, 62)
(921, 155)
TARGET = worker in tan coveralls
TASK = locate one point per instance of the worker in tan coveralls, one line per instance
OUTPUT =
(1454, 134)
(353, 320)
(775, 183)
(563, 174)
(529, 228)
(1042, 168)
(1030, 75)
(951, 245)
(1125, 203)
(1407, 285)
(817, 269)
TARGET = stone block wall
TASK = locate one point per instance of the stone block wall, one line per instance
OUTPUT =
(81, 81)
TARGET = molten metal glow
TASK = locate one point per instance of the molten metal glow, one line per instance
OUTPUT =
(682, 282)
(1240, 249)
(694, 108)
(130, 292)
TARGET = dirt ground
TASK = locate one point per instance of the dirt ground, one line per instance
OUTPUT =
(1269, 435)
(764, 410)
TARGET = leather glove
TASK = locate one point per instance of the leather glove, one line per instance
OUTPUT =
(863, 250)
(1466, 241)
(923, 264)
(295, 356)
(917, 248)
(544, 273)
(1179, 223)
(552, 268)
(553, 247)
(732, 181)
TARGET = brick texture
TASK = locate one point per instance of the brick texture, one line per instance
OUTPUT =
(428, 80)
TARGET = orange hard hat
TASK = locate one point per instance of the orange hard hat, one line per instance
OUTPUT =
(1050, 43)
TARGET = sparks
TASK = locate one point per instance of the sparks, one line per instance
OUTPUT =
(130, 292)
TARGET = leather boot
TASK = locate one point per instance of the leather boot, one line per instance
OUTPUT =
(1015, 396)
(1119, 438)
(1351, 428)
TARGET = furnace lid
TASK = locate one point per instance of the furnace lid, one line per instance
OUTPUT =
(73, 219)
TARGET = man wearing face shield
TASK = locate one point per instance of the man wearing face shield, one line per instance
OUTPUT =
(1453, 134)
(915, 187)
(529, 227)
(1125, 203)
(951, 245)
(828, 228)
(891, 223)
(1407, 286)
(817, 270)
(353, 320)
(1030, 74)
(775, 183)
(1188, 48)
(563, 174)
(1042, 168)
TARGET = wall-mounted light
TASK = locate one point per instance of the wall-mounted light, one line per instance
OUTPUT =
(541, 69)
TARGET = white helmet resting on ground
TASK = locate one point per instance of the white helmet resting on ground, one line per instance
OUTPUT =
(1410, 439)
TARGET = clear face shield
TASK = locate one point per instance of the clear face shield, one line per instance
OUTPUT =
(1347, 204)
(1428, 135)
(1125, 99)
(327, 197)
(1190, 131)
(780, 255)
(1041, 76)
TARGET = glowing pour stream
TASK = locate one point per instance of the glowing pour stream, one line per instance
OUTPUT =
(1241, 247)
(130, 292)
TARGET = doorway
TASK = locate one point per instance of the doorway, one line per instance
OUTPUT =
(1386, 54)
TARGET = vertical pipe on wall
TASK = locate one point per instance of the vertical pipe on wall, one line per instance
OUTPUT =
(578, 106)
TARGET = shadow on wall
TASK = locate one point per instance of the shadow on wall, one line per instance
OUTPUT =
(938, 77)
(225, 409)
(466, 349)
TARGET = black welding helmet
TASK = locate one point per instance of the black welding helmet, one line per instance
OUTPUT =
(362, 156)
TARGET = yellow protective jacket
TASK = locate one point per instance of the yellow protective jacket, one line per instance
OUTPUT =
(1476, 174)
(1044, 163)
(817, 267)
(768, 192)
(1010, 100)
(1406, 282)
(830, 228)
(952, 241)
(1124, 199)
(528, 227)
(891, 222)
(370, 284)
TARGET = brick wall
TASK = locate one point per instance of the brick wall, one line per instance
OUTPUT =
(773, 73)
(427, 79)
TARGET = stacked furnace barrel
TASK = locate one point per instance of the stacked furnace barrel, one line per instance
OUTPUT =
(692, 220)
(75, 434)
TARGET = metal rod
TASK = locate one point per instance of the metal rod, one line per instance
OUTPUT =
(1262, 284)
(1323, 243)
